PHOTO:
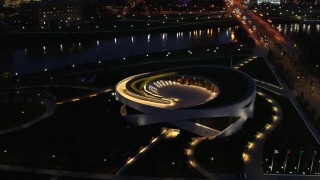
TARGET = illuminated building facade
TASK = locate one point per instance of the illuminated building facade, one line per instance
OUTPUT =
(17, 3)
(178, 96)
(52, 13)
(269, 1)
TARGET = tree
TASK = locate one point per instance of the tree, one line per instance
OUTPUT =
(313, 112)
(301, 96)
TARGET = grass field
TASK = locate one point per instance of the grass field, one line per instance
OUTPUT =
(89, 135)
(224, 155)
(255, 69)
(166, 159)
(293, 135)
(17, 113)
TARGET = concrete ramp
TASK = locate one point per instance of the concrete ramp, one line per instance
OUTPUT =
(195, 128)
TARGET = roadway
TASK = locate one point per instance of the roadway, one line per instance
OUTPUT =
(286, 92)
(252, 156)
(265, 28)
(262, 51)
(276, 39)
(252, 167)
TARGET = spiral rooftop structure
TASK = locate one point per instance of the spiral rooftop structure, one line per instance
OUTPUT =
(180, 95)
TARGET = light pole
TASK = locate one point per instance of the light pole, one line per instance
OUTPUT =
(272, 163)
(285, 163)
(275, 151)
(299, 160)
(174, 169)
(314, 153)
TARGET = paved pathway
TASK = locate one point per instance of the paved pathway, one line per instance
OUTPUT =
(194, 163)
(47, 86)
(85, 96)
(59, 173)
(96, 91)
(143, 151)
(252, 163)
(252, 160)
(48, 101)
(252, 156)
(285, 92)
(292, 177)
(255, 153)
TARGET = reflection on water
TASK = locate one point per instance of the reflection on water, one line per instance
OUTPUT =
(296, 28)
(32, 59)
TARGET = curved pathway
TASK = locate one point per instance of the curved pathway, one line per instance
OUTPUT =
(252, 155)
(192, 160)
(47, 100)
(154, 142)
(286, 93)
(96, 91)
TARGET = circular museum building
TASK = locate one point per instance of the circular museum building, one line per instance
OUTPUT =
(205, 100)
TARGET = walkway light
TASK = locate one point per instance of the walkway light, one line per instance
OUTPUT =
(244, 155)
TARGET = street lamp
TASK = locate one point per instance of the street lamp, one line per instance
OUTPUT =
(173, 164)
(311, 166)
(301, 152)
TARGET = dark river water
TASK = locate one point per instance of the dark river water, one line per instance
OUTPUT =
(297, 28)
(33, 59)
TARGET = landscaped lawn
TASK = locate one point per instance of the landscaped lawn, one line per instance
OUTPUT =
(259, 69)
(62, 93)
(110, 72)
(166, 159)
(224, 155)
(12, 175)
(89, 135)
(17, 113)
(120, 72)
(292, 134)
